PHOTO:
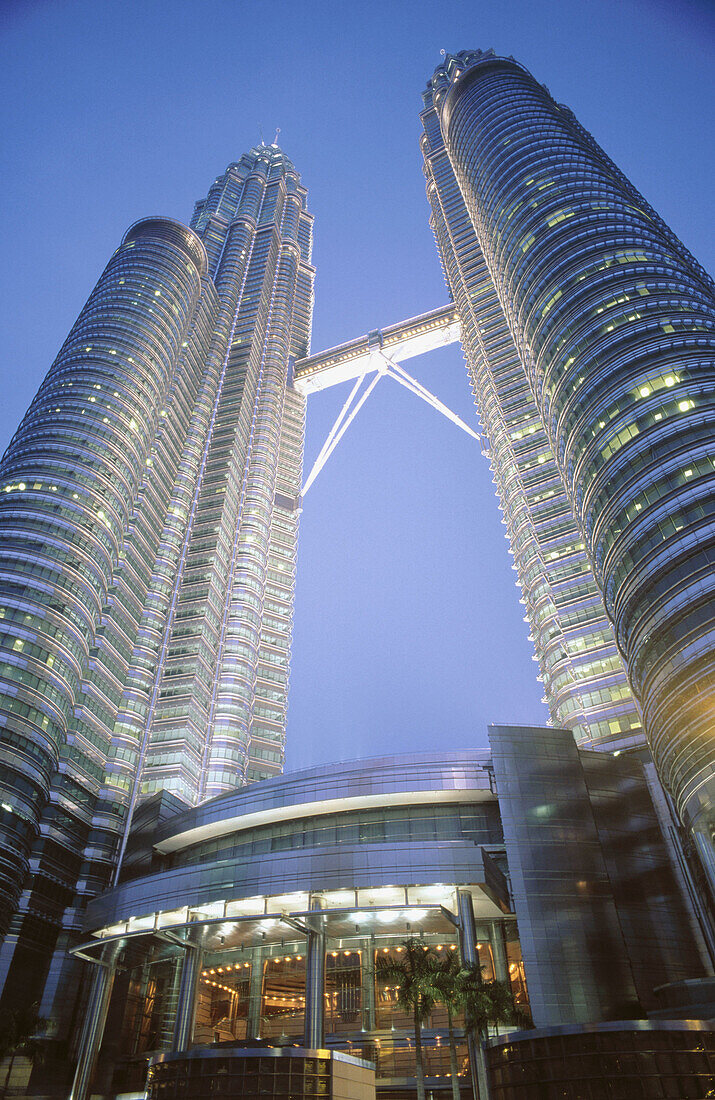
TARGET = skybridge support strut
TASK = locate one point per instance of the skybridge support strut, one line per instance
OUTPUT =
(353, 404)
(341, 425)
(400, 375)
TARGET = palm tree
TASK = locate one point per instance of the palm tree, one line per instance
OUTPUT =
(484, 1003)
(415, 993)
(446, 986)
(18, 1030)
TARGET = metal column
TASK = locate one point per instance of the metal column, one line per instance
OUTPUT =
(496, 938)
(315, 980)
(470, 956)
(95, 1018)
(367, 974)
(170, 1002)
(186, 1002)
(255, 992)
(467, 928)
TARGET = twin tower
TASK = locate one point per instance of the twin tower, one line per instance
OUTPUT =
(149, 500)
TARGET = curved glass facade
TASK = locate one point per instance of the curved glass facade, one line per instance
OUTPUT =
(479, 824)
(614, 324)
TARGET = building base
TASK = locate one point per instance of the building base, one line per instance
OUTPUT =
(621, 1060)
(290, 1072)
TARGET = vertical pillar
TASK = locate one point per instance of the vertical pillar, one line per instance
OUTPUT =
(136, 1030)
(470, 956)
(498, 945)
(467, 928)
(170, 1001)
(255, 993)
(367, 974)
(186, 1002)
(95, 1018)
(315, 980)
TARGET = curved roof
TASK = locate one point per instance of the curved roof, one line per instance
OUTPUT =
(383, 780)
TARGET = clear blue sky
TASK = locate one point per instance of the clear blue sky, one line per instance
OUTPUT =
(408, 631)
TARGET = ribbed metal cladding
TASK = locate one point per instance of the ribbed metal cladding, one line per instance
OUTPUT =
(68, 483)
(614, 321)
(172, 232)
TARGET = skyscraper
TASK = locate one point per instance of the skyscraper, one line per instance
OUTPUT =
(148, 521)
(589, 331)
(584, 679)
(147, 545)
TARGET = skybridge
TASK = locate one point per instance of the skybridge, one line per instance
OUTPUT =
(366, 353)
(367, 359)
